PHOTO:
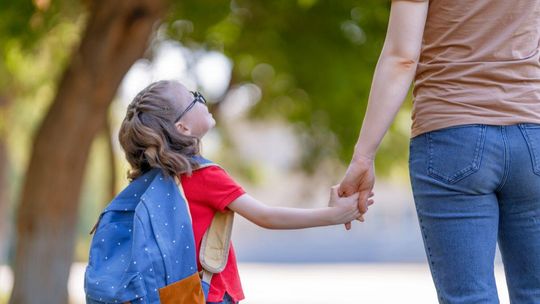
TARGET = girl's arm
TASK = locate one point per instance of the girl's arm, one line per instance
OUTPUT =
(343, 210)
(391, 81)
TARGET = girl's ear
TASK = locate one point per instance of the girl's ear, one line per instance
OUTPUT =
(182, 128)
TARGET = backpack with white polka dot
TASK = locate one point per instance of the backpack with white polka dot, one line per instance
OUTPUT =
(143, 249)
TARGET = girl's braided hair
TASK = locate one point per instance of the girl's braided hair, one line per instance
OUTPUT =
(149, 137)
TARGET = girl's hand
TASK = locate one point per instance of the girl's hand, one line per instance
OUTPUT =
(344, 209)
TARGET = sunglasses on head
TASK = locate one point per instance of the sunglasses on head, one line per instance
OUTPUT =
(197, 97)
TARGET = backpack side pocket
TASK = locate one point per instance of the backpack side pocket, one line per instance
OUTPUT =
(185, 291)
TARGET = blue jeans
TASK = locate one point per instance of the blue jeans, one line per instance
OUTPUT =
(474, 186)
(226, 300)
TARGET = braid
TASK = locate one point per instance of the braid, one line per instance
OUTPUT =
(149, 137)
(135, 106)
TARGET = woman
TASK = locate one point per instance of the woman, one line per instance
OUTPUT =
(475, 148)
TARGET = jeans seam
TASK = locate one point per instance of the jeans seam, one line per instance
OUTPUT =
(532, 150)
(427, 247)
(506, 159)
(429, 256)
(431, 264)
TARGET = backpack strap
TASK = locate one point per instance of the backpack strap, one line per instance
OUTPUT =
(216, 241)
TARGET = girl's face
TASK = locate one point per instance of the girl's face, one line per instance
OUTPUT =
(197, 121)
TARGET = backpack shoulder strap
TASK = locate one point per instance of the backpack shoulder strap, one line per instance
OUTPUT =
(215, 244)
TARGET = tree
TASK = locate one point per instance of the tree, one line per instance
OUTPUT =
(117, 34)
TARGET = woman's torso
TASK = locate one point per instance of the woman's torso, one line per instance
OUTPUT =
(480, 63)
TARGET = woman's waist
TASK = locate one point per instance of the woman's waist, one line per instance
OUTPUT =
(424, 124)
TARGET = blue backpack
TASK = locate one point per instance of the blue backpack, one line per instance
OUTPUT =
(143, 249)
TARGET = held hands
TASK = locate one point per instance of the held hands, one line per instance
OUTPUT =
(345, 209)
(359, 178)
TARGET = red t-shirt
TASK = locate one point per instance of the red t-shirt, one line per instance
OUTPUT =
(210, 190)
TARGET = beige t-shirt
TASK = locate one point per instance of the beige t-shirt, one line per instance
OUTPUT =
(480, 63)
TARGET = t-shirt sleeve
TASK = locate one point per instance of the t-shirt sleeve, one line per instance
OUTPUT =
(220, 188)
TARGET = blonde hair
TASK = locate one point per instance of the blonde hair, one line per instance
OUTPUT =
(150, 138)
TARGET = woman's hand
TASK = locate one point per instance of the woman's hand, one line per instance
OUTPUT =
(359, 178)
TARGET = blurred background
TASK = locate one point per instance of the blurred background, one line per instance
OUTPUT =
(287, 80)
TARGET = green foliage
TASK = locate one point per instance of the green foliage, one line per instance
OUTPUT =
(312, 59)
(24, 24)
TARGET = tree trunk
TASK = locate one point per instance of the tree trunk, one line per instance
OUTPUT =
(116, 35)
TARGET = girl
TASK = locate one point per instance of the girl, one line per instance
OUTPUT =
(162, 129)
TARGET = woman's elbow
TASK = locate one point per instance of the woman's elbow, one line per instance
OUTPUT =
(397, 64)
(403, 62)
(405, 59)
(406, 63)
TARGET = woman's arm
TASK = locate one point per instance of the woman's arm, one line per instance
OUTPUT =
(391, 81)
(393, 74)
(343, 210)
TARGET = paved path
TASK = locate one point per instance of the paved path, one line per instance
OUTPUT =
(315, 283)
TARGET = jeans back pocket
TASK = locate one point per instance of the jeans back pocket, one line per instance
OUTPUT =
(531, 132)
(455, 152)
